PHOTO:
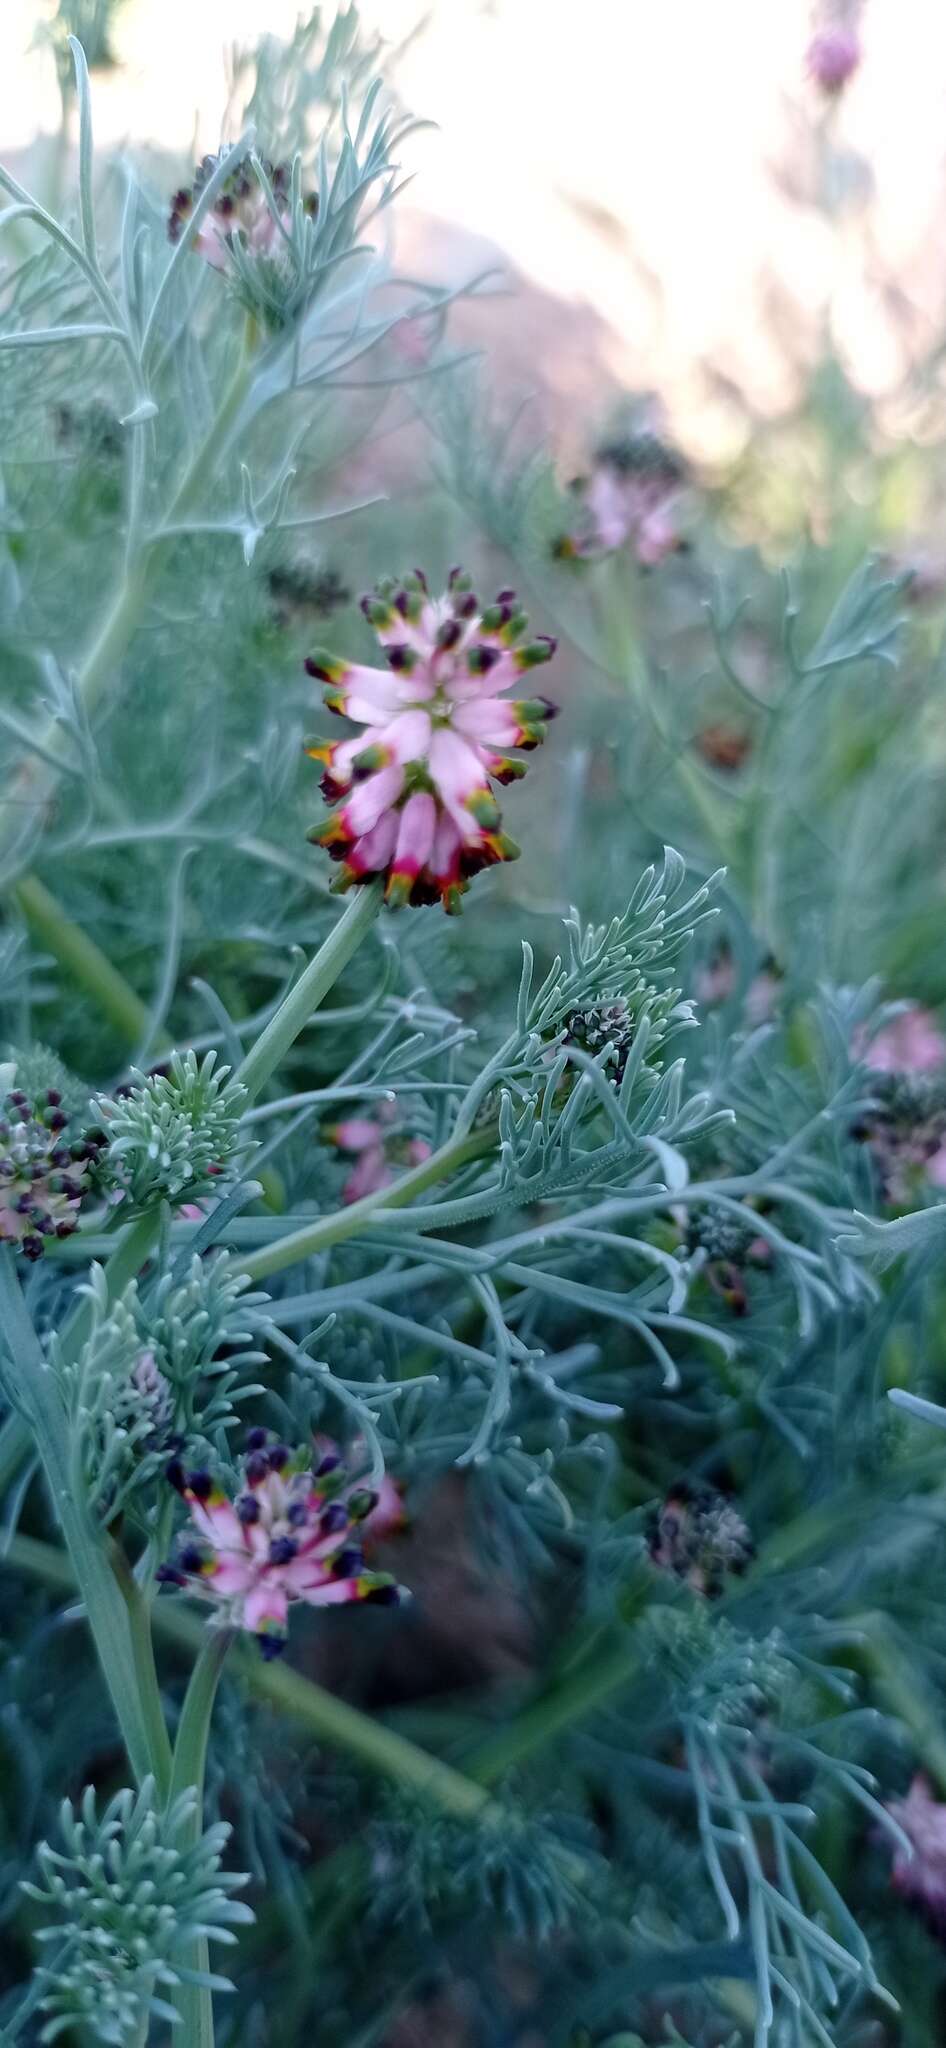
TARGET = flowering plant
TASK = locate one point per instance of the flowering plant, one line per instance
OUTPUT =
(551, 1265)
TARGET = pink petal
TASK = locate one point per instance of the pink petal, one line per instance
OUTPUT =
(490, 720)
(371, 853)
(335, 1592)
(371, 1173)
(415, 834)
(356, 1134)
(408, 736)
(266, 1603)
(218, 1520)
(371, 799)
(232, 1574)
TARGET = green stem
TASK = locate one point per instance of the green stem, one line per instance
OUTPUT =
(379, 1749)
(194, 2002)
(591, 1686)
(36, 780)
(88, 966)
(345, 1223)
(137, 1607)
(39, 1396)
(311, 989)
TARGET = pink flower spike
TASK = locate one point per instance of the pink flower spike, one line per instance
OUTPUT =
(417, 806)
(911, 1043)
(921, 1878)
(293, 1533)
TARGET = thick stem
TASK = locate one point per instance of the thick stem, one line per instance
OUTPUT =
(39, 1397)
(137, 1608)
(311, 989)
(83, 960)
(345, 1223)
(194, 2002)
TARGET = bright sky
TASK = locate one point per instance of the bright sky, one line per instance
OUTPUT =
(622, 152)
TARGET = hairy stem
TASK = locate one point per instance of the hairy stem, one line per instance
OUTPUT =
(311, 989)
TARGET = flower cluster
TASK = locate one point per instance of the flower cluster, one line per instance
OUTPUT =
(698, 1536)
(606, 1023)
(729, 1244)
(241, 207)
(45, 1167)
(906, 1127)
(921, 1878)
(413, 789)
(631, 496)
(378, 1147)
(294, 1532)
(123, 1899)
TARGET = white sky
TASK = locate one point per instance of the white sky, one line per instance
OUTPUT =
(603, 141)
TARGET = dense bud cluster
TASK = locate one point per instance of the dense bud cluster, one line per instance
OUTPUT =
(47, 1166)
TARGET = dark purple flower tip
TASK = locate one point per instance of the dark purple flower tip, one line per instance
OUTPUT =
(256, 1468)
(174, 1474)
(296, 1513)
(168, 1575)
(505, 597)
(270, 1646)
(32, 1247)
(400, 658)
(449, 634)
(247, 1508)
(386, 1596)
(282, 1550)
(278, 1457)
(200, 1484)
(17, 1097)
(62, 1156)
(257, 1439)
(65, 1228)
(57, 1122)
(53, 1098)
(330, 1463)
(349, 1563)
(190, 1558)
(333, 1518)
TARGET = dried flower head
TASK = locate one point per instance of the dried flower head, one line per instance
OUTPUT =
(606, 1023)
(699, 1536)
(417, 806)
(47, 1165)
(293, 1533)
(380, 1147)
(906, 1126)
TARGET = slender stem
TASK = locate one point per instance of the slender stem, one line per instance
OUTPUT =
(194, 2002)
(36, 781)
(345, 1223)
(311, 989)
(377, 1748)
(39, 1396)
(88, 966)
(142, 1650)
